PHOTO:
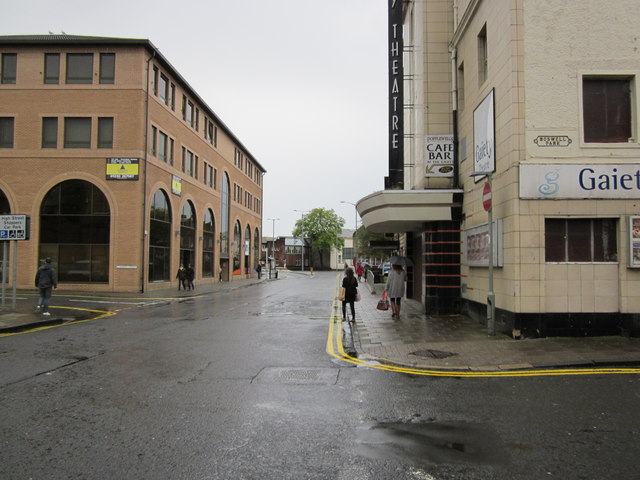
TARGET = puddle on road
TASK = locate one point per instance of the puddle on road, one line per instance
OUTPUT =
(431, 443)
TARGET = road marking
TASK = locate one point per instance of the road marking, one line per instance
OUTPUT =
(335, 348)
(100, 314)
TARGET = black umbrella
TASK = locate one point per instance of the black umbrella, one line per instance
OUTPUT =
(398, 260)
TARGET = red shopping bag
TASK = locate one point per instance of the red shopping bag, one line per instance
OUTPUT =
(383, 303)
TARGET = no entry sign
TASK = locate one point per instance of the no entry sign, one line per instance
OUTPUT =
(486, 197)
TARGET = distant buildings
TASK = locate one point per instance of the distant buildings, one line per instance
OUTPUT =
(543, 98)
(123, 168)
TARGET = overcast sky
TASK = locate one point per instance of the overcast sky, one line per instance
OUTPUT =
(302, 83)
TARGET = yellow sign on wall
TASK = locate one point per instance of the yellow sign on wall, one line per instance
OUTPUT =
(123, 168)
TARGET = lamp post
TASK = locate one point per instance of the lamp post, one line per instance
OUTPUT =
(302, 238)
(273, 242)
(356, 230)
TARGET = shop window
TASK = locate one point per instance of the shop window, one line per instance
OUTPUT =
(160, 238)
(580, 240)
(208, 244)
(75, 231)
(188, 235)
(606, 106)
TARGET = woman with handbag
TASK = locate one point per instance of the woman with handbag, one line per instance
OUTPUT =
(395, 288)
(350, 285)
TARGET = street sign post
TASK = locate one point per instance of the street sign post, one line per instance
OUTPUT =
(12, 227)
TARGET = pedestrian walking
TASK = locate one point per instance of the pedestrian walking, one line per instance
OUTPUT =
(395, 288)
(359, 271)
(46, 280)
(259, 270)
(191, 275)
(350, 285)
(182, 277)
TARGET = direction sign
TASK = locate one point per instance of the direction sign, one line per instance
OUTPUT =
(486, 197)
(14, 227)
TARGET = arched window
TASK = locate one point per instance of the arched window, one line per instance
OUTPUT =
(188, 235)
(256, 248)
(75, 230)
(247, 250)
(224, 217)
(160, 238)
(208, 243)
(237, 243)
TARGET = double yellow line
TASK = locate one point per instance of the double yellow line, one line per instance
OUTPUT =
(335, 348)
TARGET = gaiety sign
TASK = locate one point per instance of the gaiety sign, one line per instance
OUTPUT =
(396, 95)
(578, 181)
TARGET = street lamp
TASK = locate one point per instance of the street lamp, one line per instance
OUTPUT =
(273, 243)
(355, 232)
(302, 237)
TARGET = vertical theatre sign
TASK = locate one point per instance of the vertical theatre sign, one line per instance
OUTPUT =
(396, 97)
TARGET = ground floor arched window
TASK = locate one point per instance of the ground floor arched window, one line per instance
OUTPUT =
(247, 250)
(256, 248)
(188, 235)
(237, 243)
(208, 243)
(75, 232)
(160, 238)
(4, 210)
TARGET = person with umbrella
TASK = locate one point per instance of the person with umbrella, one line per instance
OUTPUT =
(395, 283)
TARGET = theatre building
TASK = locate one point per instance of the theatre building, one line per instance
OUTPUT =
(123, 169)
(526, 113)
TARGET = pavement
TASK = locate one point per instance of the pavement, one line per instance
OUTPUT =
(450, 343)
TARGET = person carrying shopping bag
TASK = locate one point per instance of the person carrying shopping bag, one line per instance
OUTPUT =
(395, 289)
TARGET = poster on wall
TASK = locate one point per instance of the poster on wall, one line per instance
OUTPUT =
(634, 242)
(476, 245)
(484, 137)
(438, 155)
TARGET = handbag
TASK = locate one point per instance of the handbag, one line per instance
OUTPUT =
(358, 297)
(383, 303)
(341, 293)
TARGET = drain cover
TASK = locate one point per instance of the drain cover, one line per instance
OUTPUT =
(298, 376)
(433, 353)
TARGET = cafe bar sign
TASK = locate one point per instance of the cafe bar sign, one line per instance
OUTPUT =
(579, 181)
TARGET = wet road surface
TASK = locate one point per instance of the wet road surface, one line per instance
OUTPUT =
(238, 385)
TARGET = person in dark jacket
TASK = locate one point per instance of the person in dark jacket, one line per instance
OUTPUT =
(350, 285)
(182, 277)
(191, 275)
(46, 280)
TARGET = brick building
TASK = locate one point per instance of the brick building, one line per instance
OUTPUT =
(124, 170)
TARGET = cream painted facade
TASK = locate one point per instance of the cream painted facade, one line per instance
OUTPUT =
(542, 61)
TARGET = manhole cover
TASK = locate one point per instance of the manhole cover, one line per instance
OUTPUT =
(433, 353)
(297, 376)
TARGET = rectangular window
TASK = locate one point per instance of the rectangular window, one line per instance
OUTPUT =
(79, 68)
(6, 132)
(8, 67)
(107, 68)
(162, 146)
(171, 144)
(197, 120)
(189, 162)
(460, 87)
(483, 55)
(189, 113)
(586, 240)
(606, 105)
(51, 68)
(173, 97)
(215, 178)
(105, 132)
(154, 141)
(154, 81)
(77, 132)
(163, 89)
(50, 132)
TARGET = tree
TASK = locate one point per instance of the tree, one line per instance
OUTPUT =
(363, 239)
(322, 228)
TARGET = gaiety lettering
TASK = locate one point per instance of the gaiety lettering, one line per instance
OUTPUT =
(588, 180)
